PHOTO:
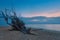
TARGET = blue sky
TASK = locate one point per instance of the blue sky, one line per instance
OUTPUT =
(31, 8)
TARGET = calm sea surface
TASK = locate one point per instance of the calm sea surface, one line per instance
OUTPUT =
(55, 27)
(39, 26)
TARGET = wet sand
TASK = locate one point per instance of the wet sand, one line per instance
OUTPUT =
(5, 34)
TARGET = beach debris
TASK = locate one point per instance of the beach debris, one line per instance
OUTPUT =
(16, 22)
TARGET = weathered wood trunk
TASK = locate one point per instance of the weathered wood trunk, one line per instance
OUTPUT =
(16, 23)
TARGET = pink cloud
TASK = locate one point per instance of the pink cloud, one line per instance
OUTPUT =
(47, 14)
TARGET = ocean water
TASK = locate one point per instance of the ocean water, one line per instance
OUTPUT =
(54, 27)
(3, 22)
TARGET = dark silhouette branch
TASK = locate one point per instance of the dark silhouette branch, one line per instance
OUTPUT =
(16, 23)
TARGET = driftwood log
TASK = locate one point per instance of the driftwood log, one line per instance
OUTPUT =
(16, 23)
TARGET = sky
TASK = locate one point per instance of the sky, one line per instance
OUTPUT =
(33, 8)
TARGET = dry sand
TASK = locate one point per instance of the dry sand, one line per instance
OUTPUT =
(5, 34)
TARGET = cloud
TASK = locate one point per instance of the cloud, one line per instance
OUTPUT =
(47, 14)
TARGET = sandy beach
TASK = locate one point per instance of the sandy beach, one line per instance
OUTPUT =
(5, 34)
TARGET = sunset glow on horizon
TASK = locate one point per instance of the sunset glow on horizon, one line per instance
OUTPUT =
(51, 14)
